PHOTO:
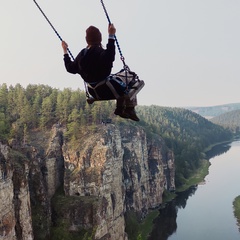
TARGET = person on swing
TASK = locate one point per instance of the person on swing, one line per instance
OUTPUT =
(94, 64)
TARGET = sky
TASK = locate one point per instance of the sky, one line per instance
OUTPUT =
(186, 51)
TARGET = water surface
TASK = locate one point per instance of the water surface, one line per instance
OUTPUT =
(205, 212)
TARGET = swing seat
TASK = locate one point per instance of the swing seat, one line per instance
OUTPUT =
(135, 89)
(122, 84)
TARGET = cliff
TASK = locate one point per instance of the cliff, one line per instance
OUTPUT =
(15, 207)
(84, 187)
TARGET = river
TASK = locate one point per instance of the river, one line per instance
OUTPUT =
(205, 212)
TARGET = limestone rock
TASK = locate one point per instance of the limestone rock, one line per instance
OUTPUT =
(107, 172)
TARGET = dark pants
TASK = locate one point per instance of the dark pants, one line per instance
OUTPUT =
(124, 102)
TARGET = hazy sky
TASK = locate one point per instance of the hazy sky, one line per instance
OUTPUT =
(186, 51)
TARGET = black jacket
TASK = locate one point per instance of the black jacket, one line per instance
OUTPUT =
(93, 64)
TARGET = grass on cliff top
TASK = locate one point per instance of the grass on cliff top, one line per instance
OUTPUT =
(63, 206)
(236, 205)
(137, 230)
(61, 201)
(197, 177)
(18, 159)
(39, 137)
(168, 196)
(61, 232)
(147, 225)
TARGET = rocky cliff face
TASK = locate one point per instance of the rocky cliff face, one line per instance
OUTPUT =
(7, 214)
(123, 170)
(103, 174)
(15, 207)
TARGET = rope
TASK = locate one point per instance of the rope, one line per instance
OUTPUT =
(109, 21)
(52, 27)
(85, 85)
(118, 46)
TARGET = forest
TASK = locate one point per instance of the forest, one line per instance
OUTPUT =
(230, 120)
(41, 106)
(214, 111)
(186, 133)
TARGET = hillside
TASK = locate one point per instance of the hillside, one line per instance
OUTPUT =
(76, 175)
(230, 120)
(40, 107)
(213, 111)
(184, 131)
(181, 124)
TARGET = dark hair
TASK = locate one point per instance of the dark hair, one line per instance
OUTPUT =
(93, 36)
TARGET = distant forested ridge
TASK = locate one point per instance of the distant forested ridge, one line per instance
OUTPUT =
(230, 120)
(213, 111)
(40, 106)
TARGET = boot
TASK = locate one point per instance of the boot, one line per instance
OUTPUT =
(120, 112)
(130, 111)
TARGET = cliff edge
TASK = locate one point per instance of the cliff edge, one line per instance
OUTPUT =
(84, 186)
